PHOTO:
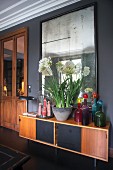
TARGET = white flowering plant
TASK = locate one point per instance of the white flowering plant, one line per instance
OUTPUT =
(65, 92)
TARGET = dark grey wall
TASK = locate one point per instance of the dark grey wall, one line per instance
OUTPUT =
(105, 51)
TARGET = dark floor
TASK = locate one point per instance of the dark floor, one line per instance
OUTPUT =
(48, 158)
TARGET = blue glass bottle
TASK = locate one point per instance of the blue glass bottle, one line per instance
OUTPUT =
(95, 108)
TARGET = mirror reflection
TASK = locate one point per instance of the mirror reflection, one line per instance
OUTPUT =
(72, 37)
(7, 80)
(8, 58)
(20, 66)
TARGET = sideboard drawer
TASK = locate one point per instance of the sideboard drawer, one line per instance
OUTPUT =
(45, 131)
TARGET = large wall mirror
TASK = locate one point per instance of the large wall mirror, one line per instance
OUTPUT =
(71, 36)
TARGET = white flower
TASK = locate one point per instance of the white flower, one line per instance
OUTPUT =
(44, 65)
(59, 66)
(69, 68)
(47, 72)
(78, 68)
(86, 71)
(87, 90)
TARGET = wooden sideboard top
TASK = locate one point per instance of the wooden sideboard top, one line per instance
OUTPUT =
(71, 122)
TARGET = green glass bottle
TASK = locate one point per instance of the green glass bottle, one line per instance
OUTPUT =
(100, 118)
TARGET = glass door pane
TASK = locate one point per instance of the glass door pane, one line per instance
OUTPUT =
(7, 69)
(20, 66)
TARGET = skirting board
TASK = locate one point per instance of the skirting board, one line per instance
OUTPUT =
(111, 152)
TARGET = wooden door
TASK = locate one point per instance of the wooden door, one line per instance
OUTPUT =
(8, 121)
(27, 127)
(21, 108)
(95, 143)
(13, 76)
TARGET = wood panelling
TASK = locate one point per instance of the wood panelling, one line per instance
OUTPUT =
(94, 142)
(27, 127)
(7, 117)
(7, 110)
(21, 108)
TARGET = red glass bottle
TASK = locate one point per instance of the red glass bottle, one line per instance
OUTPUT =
(78, 114)
(44, 112)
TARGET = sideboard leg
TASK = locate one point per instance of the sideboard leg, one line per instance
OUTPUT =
(56, 155)
(28, 141)
(95, 162)
(56, 152)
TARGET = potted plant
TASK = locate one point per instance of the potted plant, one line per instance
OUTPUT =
(63, 93)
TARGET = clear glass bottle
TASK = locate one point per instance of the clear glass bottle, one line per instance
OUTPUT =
(48, 109)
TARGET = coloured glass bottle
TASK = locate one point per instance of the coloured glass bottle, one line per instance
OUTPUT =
(85, 111)
(78, 114)
(95, 108)
(100, 118)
